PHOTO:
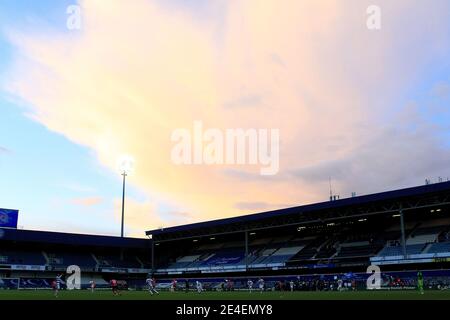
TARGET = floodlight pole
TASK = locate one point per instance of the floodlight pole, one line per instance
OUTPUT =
(124, 174)
(402, 228)
(153, 256)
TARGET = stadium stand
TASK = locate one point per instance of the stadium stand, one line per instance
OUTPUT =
(357, 249)
(62, 258)
(346, 233)
(31, 259)
(439, 247)
(398, 250)
(334, 237)
(18, 257)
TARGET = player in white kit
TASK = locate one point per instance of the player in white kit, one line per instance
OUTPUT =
(58, 281)
(261, 285)
(199, 286)
(92, 285)
(250, 285)
(151, 286)
(339, 288)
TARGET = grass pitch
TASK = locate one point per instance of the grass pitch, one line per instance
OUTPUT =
(298, 295)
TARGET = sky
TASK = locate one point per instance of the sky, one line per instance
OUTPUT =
(368, 108)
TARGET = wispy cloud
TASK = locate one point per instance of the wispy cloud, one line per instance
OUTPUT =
(87, 201)
(4, 150)
(79, 188)
(442, 90)
(250, 100)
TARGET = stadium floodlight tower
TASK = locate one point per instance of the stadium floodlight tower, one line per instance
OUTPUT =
(126, 166)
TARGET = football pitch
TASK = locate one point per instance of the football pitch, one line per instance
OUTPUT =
(236, 295)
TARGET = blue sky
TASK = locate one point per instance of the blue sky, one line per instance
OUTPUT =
(43, 173)
(55, 173)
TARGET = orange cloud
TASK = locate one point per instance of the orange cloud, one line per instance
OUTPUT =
(136, 72)
(87, 201)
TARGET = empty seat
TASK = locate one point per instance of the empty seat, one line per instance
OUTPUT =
(439, 247)
(398, 250)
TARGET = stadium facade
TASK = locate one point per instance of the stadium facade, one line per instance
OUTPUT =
(30, 259)
(401, 231)
(405, 229)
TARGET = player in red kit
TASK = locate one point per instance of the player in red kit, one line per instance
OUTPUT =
(173, 286)
(114, 287)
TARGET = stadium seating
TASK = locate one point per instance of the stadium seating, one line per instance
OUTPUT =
(439, 247)
(424, 235)
(20, 257)
(398, 250)
(184, 262)
(358, 249)
(325, 246)
(279, 256)
(226, 257)
(309, 250)
(65, 259)
(115, 261)
(273, 251)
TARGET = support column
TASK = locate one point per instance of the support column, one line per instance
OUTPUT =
(402, 228)
(246, 250)
(124, 174)
(153, 256)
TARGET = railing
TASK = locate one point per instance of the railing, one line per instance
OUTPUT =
(411, 258)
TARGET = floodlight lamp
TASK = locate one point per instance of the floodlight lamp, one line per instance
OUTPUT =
(126, 164)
